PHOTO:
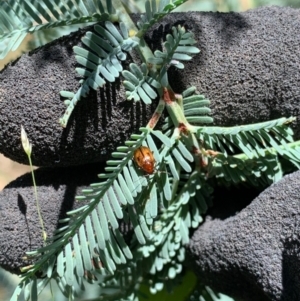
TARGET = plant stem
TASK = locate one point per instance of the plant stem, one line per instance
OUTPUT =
(44, 235)
(157, 114)
(143, 49)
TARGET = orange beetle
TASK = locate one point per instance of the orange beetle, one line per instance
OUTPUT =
(144, 159)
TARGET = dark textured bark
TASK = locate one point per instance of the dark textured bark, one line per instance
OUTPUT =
(253, 255)
(20, 228)
(249, 66)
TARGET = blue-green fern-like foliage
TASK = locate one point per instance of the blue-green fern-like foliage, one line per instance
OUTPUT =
(153, 13)
(101, 60)
(139, 85)
(160, 208)
(20, 17)
(140, 81)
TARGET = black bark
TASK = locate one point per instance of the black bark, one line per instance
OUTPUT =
(20, 228)
(254, 254)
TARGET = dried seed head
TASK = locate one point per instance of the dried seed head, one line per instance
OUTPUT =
(25, 142)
